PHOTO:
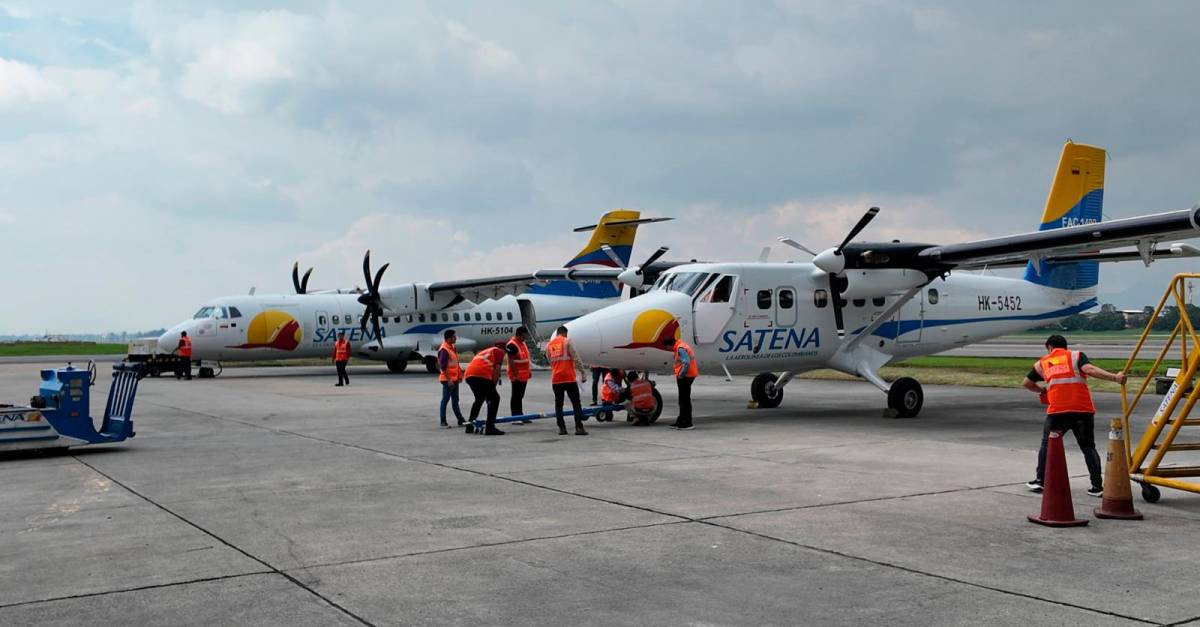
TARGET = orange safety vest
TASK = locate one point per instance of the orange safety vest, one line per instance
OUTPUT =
(562, 366)
(1066, 385)
(341, 350)
(643, 395)
(453, 371)
(518, 365)
(185, 346)
(693, 370)
(486, 364)
(611, 391)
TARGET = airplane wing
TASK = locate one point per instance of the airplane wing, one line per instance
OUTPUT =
(1178, 250)
(481, 289)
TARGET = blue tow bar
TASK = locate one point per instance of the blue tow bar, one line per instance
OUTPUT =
(476, 426)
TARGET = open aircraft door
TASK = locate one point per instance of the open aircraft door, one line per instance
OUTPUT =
(909, 322)
(529, 319)
(714, 307)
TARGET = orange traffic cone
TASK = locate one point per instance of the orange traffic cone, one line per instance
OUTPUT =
(1057, 509)
(1118, 498)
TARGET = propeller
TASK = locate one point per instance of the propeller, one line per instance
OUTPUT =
(300, 284)
(797, 245)
(635, 277)
(832, 260)
(371, 299)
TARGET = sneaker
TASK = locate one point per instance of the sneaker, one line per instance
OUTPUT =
(337, 385)
(562, 430)
(444, 425)
(579, 431)
(1096, 490)
(684, 428)
(1035, 485)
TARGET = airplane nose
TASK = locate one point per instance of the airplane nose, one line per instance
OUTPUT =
(633, 334)
(168, 341)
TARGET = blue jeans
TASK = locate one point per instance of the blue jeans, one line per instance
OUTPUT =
(450, 394)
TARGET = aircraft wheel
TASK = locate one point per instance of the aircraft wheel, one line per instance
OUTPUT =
(604, 416)
(206, 373)
(430, 363)
(906, 397)
(658, 406)
(1150, 493)
(397, 365)
(759, 387)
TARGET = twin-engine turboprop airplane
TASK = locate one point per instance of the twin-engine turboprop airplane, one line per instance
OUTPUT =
(397, 323)
(858, 306)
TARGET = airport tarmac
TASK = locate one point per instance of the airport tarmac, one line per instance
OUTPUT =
(268, 496)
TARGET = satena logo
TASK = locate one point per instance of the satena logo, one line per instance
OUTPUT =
(653, 328)
(755, 341)
(272, 329)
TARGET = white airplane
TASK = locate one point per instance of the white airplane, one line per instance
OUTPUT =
(859, 306)
(407, 321)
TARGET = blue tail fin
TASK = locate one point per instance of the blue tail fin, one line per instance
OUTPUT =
(619, 238)
(1076, 197)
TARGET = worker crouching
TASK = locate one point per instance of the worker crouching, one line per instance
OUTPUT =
(640, 408)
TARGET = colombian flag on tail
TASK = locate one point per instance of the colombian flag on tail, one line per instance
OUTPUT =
(1076, 197)
(616, 228)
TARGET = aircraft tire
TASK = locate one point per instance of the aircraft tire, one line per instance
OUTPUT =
(397, 365)
(906, 397)
(430, 363)
(758, 391)
(658, 406)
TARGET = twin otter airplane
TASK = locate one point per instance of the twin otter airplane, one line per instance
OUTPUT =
(859, 306)
(401, 322)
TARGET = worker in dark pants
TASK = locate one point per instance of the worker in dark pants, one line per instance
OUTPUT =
(686, 372)
(597, 382)
(183, 367)
(1069, 405)
(341, 356)
(519, 371)
(483, 375)
(450, 374)
(564, 363)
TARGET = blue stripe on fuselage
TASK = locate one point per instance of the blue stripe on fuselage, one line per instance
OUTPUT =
(892, 330)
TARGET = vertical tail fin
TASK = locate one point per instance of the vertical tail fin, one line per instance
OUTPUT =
(618, 236)
(1076, 197)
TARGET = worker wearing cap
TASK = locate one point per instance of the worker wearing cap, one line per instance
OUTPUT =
(613, 390)
(686, 372)
(1068, 404)
(450, 374)
(341, 356)
(483, 375)
(183, 368)
(564, 363)
(518, 370)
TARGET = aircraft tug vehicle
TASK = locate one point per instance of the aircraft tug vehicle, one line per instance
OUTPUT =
(60, 415)
(858, 306)
(396, 323)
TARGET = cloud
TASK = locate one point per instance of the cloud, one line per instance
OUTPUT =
(23, 84)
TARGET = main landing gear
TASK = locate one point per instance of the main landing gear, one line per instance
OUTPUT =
(904, 395)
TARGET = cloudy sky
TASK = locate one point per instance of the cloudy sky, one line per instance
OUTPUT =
(154, 155)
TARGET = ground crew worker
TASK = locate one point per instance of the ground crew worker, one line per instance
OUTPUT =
(613, 391)
(450, 374)
(1069, 404)
(341, 355)
(597, 379)
(483, 375)
(564, 363)
(184, 349)
(686, 372)
(641, 400)
(518, 370)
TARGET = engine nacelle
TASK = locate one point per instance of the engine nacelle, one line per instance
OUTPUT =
(414, 298)
(873, 283)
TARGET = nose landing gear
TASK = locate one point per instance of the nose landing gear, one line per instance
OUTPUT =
(906, 397)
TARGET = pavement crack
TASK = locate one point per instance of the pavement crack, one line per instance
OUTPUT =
(156, 586)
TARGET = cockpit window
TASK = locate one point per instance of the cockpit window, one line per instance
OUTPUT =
(686, 282)
(220, 312)
(234, 313)
(721, 292)
(205, 312)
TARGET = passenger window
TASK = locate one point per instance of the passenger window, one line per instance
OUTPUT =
(408, 318)
(933, 296)
(786, 299)
(488, 317)
(842, 303)
(234, 313)
(456, 317)
(820, 298)
(859, 302)
(335, 319)
(478, 317)
(764, 299)
(421, 317)
(446, 317)
(510, 315)
(879, 301)
(321, 320)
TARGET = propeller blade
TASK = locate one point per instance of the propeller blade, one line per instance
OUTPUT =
(612, 254)
(304, 281)
(378, 277)
(367, 271)
(296, 277)
(375, 326)
(362, 320)
(662, 250)
(862, 224)
(835, 293)
(764, 254)
(797, 245)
